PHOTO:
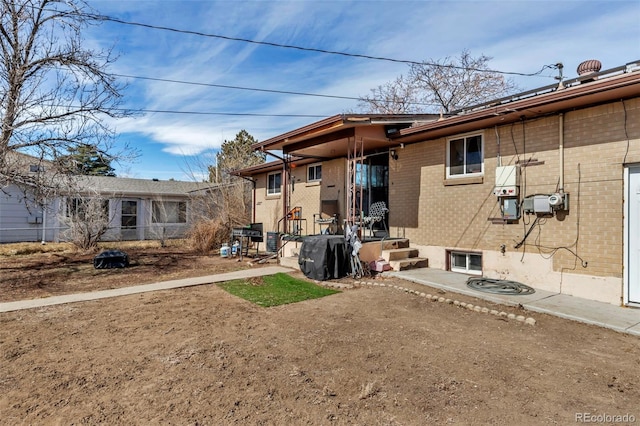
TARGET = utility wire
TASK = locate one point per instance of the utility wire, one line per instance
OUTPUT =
(244, 114)
(309, 49)
(255, 89)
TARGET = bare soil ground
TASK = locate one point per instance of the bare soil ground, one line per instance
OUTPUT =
(369, 355)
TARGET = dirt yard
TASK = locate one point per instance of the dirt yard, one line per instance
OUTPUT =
(369, 355)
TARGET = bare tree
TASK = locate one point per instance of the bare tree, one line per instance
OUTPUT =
(439, 86)
(399, 96)
(54, 91)
(455, 83)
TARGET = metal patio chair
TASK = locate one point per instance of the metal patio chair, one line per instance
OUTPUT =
(377, 213)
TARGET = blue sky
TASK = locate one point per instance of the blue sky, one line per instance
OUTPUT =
(521, 36)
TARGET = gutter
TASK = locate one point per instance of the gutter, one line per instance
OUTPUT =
(601, 91)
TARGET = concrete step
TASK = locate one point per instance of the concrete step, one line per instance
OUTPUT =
(394, 243)
(290, 262)
(409, 263)
(399, 253)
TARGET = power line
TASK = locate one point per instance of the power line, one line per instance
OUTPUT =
(241, 114)
(223, 86)
(309, 49)
(255, 89)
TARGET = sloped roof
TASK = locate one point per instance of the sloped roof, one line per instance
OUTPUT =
(617, 84)
(120, 186)
(138, 187)
(328, 138)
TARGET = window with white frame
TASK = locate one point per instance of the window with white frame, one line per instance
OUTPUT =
(86, 209)
(274, 183)
(169, 212)
(467, 263)
(314, 172)
(465, 156)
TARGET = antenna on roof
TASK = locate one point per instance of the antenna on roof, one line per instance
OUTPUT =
(559, 77)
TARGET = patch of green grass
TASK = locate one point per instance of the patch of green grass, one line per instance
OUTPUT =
(274, 290)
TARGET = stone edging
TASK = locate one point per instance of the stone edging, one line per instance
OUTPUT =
(434, 298)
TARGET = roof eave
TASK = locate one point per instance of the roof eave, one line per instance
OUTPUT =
(597, 92)
(335, 123)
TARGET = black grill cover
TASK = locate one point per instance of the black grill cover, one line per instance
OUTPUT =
(111, 259)
(324, 257)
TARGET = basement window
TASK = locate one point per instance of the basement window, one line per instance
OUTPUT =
(465, 262)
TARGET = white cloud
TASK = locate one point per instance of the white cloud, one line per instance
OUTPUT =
(520, 36)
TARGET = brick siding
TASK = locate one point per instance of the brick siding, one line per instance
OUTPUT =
(597, 141)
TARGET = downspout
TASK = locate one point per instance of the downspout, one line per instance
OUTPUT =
(561, 152)
(44, 222)
(253, 208)
(285, 197)
(284, 188)
(253, 212)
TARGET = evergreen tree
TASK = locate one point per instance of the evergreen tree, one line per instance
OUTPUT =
(233, 155)
(87, 160)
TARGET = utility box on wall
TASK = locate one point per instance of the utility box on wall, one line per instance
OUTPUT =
(507, 189)
(510, 208)
(507, 181)
(545, 204)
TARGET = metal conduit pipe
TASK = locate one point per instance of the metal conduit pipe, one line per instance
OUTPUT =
(561, 151)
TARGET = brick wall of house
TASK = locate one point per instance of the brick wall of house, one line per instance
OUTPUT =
(268, 208)
(304, 194)
(426, 208)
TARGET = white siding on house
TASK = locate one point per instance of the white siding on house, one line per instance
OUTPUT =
(15, 217)
(19, 221)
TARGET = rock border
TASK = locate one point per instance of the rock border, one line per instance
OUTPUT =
(435, 298)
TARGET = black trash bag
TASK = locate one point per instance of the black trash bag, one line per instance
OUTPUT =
(111, 259)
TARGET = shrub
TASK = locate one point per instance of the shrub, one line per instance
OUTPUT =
(207, 235)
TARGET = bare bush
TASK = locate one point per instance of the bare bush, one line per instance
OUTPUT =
(86, 220)
(207, 235)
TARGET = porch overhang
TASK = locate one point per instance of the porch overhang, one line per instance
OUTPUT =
(271, 166)
(330, 138)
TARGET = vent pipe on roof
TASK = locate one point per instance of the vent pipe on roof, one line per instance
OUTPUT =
(560, 77)
(586, 68)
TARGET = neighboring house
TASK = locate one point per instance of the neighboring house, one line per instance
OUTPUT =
(541, 188)
(137, 209)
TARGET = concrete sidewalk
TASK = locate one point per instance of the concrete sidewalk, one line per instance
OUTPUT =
(165, 285)
(622, 319)
(625, 320)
